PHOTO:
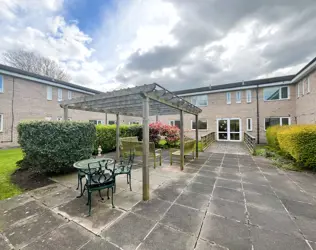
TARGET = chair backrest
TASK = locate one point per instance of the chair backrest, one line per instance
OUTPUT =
(189, 146)
(128, 159)
(100, 174)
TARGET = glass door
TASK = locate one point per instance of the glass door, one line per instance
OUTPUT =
(222, 128)
(234, 129)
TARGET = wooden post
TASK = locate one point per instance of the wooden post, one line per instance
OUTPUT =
(197, 136)
(156, 118)
(66, 113)
(181, 141)
(117, 136)
(106, 119)
(145, 148)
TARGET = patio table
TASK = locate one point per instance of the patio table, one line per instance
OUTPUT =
(93, 163)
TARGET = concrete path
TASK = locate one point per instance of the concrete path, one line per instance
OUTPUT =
(219, 201)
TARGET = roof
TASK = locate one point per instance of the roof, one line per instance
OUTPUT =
(259, 82)
(22, 73)
(130, 102)
(306, 66)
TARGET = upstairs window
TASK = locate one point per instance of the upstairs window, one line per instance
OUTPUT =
(307, 85)
(275, 93)
(1, 84)
(1, 122)
(199, 100)
(238, 97)
(248, 95)
(298, 90)
(175, 123)
(60, 95)
(49, 93)
(272, 121)
(69, 95)
(202, 124)
(303, 87)
(228, 98)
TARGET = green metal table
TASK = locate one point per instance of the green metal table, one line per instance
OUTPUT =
(93, 163)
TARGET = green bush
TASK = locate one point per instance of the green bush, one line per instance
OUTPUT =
(271, 135)
(299, 141)
(106, 135)
(53, 147)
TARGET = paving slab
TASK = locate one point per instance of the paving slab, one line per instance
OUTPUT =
(205, 245)
(69, 236)
(4, 244)
(127, 199)
(264, 201)
(163, 237)
(208, 173)
(99, 244)
(14, 202)
(227, 209)
(175, 219)
(227, 233)
(260, 189)
(204, 180)
(59, 197)
(228, 194)
(300, 209)
(200, 188)
(264, 239)
(228, 184)
(168, 192)
(153, 209)
(194, 200)
(307, 226)
(23, 232)
(313, 245)
(129, 231)
(47, 190)
(272, 220)
(102, 214)
(23, 212)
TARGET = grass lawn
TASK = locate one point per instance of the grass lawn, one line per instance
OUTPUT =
(8, 158)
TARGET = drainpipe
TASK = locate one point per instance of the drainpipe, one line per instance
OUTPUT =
(258, 115)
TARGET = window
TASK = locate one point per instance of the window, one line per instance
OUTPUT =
(307, 86)
(111, 122)
(59, 118)
(249, 124)
(1, 122)
(303, 90)
(228, 98)
(48, 118)
(268, 122)
(69, 95)
(275, 93)
(202, 124)
(96, 122)
(134, 122)
(175, 123)
(60, 95)
(298, 90)
(199, 100)
(1, 84)
(49, 93)
(248, 94)
(238, 97)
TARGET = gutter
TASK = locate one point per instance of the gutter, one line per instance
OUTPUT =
(304, 73)
(258, 115)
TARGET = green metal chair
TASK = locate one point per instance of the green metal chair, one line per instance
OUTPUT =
(98, 179)
(125, 166)
(80, 176)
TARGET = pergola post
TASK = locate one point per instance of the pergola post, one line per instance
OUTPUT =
(145, 148)
(181, 140)
(117, 136)
(65, 113)
(197, 136)
(106, 119)
(157, 118)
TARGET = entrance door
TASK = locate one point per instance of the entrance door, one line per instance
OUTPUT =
(228, 129)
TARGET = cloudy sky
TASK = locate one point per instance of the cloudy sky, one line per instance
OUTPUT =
(109, 44)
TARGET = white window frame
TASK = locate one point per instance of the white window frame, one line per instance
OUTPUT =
(228, 97)
(2, 84)
(173, 122)
(69, 94)
(196, 102)
(202, 119)
(1, 122)
(238, 94)
(59, 118)
(307, 85)
(59, 94)
(249, 129)
(49, 94)
(298, 90)
(280, 95)
(303, 87)
(280, 122)
(249, 95)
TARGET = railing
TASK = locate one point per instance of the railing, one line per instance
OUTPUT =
(250, 142)
(207, 140)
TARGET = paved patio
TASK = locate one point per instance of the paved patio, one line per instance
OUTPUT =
(219, 201)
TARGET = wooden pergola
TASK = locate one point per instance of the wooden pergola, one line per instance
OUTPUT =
(141, 101)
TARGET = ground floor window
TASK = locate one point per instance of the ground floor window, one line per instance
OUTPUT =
(202, 124)
(272, 121)
(111, 122)
(96, 122)
(175, 123)
(1, 122)
(249, 124)
(133, 123)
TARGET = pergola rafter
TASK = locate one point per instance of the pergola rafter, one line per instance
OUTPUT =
(141, 101)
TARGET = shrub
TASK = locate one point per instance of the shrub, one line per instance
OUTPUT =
(154, 132)
(53, 147)
(300, 142)
(158, 129)
(106, 135)
(272, 138)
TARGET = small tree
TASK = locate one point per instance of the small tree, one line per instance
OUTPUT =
(35, 63)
